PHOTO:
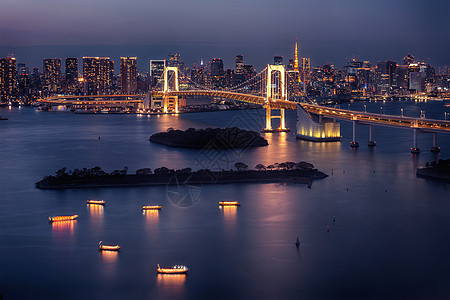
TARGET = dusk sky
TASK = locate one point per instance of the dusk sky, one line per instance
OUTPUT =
(328, 31)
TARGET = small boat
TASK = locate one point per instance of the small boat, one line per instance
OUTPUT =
(102, 247)
(177, 269)
(96, 202)
(62, 218)
(3, 118)
(151, 207)
(297, 243)
(229, 203)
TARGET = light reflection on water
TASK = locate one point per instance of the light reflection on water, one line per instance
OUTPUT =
(62, 227)
(151, 216)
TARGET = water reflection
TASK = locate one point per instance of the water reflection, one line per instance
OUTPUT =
(96, 211)
(172, 281)
(109, 256)
(152, 216)
(64, 227)
(229, 214)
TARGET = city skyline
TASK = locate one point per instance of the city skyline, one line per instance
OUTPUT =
(328, 31)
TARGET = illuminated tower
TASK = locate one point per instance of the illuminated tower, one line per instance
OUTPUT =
(296, 58)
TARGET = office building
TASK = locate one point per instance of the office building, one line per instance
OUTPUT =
(52, 74)
(71, 70)
(157, 72)
(239, 69)
(98, 73)
(7, 77)
(278, 60)
(128, 75)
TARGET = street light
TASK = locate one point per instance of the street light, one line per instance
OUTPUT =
(422, 114)
(365, 108)
(401, 109)
(349, 106)
(381, 110)
(445, 116)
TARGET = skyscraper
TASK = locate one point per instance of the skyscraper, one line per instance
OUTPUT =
(7, 77)
(217, 67)
(306, 63)
(128, 75)
(174, 60)
(71, 70)
(278, 60)
(408, 59)
(97, 73)
(239, 69)
(52, 74)
(157, 71)
(296, 58)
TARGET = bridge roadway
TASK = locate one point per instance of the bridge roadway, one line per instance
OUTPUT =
(425, 125)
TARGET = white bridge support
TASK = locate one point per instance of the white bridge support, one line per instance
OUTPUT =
(371, 142)
(170, 101)
(269, 99)
(354, 143)
(435, 147)
(415, 147)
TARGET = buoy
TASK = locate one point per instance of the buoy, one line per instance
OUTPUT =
(297, 243)
(347, 188)
(328, 228)
(334, 219)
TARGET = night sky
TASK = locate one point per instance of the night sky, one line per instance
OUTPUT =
(329, 31)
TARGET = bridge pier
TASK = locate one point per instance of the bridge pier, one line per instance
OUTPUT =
(371, 142)
(415, 149)
(435, 147)
(354, 143)
(269, 118)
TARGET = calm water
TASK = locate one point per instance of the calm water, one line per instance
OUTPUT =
(390, 238)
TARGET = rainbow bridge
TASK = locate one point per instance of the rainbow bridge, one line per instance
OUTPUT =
(314, 122)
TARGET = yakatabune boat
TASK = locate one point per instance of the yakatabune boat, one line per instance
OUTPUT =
(101, 247)
(229, 203)
(62, 218)
(177, 269)
(151, 207)
(97, 202)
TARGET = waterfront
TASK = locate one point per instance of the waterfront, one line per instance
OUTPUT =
(391, 237)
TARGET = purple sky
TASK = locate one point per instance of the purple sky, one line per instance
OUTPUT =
(328, 30)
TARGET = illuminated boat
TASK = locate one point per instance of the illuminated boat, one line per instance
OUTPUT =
(102, 247)
(151, 207)
(229, 203)
(96, 202)
(177, 269)
(62, 218)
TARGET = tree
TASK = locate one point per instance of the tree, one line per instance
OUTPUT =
(240, 166)
(260, 167)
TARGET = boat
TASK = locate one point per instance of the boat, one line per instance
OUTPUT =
(62, 218)
(229, 203)
(3, 118)
(103, 247)
(176, 269)
(297, 243)
(96, 202)
(151, 207)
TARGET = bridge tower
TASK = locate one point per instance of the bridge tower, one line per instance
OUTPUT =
(170, 100)
(270, 101)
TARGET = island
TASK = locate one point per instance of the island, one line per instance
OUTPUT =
(435, 170)
(302, 172)
(215, 138)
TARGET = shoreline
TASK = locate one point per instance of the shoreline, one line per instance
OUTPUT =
(223, 177)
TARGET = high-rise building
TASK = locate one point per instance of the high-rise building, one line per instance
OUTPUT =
(157, 71)
(306, 63)
(71, 70)
(408, 59)
(249, 72)
(22, 69)
(97, 73)
(239, 70)
(278, 60)
(7, 77)
(290, 66)
(217, 67)
(174, 60)
(52, 74)
(128, 75)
